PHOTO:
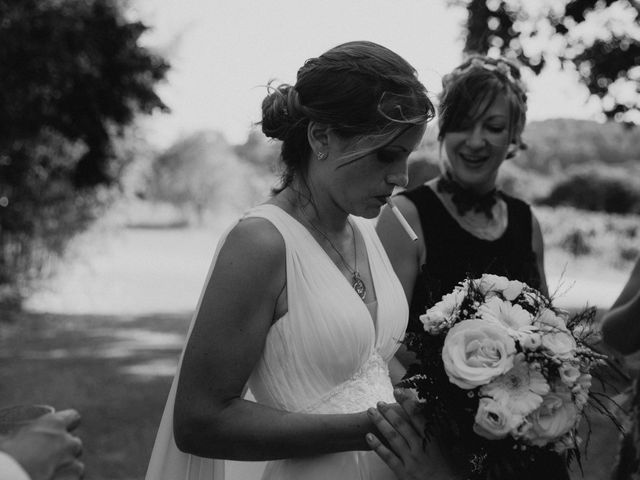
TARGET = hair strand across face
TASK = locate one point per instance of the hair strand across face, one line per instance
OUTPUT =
(364, 92)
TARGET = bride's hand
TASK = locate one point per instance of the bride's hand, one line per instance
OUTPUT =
(407, 453)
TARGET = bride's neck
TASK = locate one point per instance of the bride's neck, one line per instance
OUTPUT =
(303, 204)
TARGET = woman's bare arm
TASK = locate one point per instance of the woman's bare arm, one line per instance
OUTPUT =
(210, 417)
(537, 244)
(621, 324)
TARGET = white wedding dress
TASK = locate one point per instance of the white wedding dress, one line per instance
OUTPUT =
(327, 354)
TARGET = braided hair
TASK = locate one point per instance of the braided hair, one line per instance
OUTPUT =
(470, 89)
(361, 90)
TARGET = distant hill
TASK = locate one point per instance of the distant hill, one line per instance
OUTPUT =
(556, 145)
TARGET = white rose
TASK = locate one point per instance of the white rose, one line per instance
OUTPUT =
(555, 335)
(491, 283)
(512, 290)
(494, 420)
(475, 352)
(548, 320)
(560, 343)
(556, 416)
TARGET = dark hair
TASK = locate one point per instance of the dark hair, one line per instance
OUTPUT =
(470, 89)
(359, 89)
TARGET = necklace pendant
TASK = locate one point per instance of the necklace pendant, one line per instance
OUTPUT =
(358, 285)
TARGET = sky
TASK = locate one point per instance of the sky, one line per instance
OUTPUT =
(224, 52)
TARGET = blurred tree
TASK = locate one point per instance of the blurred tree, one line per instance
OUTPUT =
(73, 76)
(259, 151)
(203, 172)
(600, 39)
(76, 67)
(192, 172)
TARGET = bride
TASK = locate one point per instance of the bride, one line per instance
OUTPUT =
(301, 304)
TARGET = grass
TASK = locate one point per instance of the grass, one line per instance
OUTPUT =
(106, 368)
(116, 371)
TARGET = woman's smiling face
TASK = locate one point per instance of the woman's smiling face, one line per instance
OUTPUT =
(476, 150)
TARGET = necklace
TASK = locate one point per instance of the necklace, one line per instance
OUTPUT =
(356, 282)
(466, 200)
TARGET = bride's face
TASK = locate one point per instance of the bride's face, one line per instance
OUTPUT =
(361, 183)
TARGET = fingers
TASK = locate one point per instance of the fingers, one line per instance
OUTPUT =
(72, 468)
(410, 403)
(76, 447)
(387, 456)
(397, 417)
(70, 471)
(395, 430)
(70, 418)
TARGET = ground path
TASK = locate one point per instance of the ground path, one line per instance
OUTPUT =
(144, 271)
(121, 304)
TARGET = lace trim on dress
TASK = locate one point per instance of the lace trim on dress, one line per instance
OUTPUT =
(478, 224)
(369, 385)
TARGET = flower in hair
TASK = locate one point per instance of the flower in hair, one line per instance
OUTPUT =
(476, 62)
(504, 69)
(499, 66)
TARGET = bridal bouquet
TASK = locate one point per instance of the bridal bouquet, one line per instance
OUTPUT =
(502, 372)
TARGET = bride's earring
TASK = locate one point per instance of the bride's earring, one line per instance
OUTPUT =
(321, 155)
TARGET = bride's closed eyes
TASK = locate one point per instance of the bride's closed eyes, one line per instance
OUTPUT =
(392, 154)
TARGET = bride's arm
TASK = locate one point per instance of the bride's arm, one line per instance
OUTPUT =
(237, 310)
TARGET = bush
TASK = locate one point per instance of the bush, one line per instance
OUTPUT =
(609, 238)
(38, 219)
(610, 191)
(75, 76)
(576, 242)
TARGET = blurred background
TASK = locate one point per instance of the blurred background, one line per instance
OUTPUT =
(128, 144)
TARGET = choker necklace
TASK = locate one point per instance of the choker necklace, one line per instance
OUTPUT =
(466, 200)
(356, 282)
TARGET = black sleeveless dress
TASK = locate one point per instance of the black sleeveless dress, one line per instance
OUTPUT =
(453, 254)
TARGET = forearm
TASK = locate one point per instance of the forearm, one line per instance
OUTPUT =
(246, 430)
(621, 326)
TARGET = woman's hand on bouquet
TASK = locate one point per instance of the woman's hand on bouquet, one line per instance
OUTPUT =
(402, 444)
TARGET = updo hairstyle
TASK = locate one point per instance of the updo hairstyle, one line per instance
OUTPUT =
(361, 90)
(470, 89)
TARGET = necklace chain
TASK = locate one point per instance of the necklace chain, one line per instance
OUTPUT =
(356, 282)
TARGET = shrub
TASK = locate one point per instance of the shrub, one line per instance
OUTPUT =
(603, 237)
(576, 243)
(38, 219)
(594, 189)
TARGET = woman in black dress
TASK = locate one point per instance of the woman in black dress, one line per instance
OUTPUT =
(465, 225)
